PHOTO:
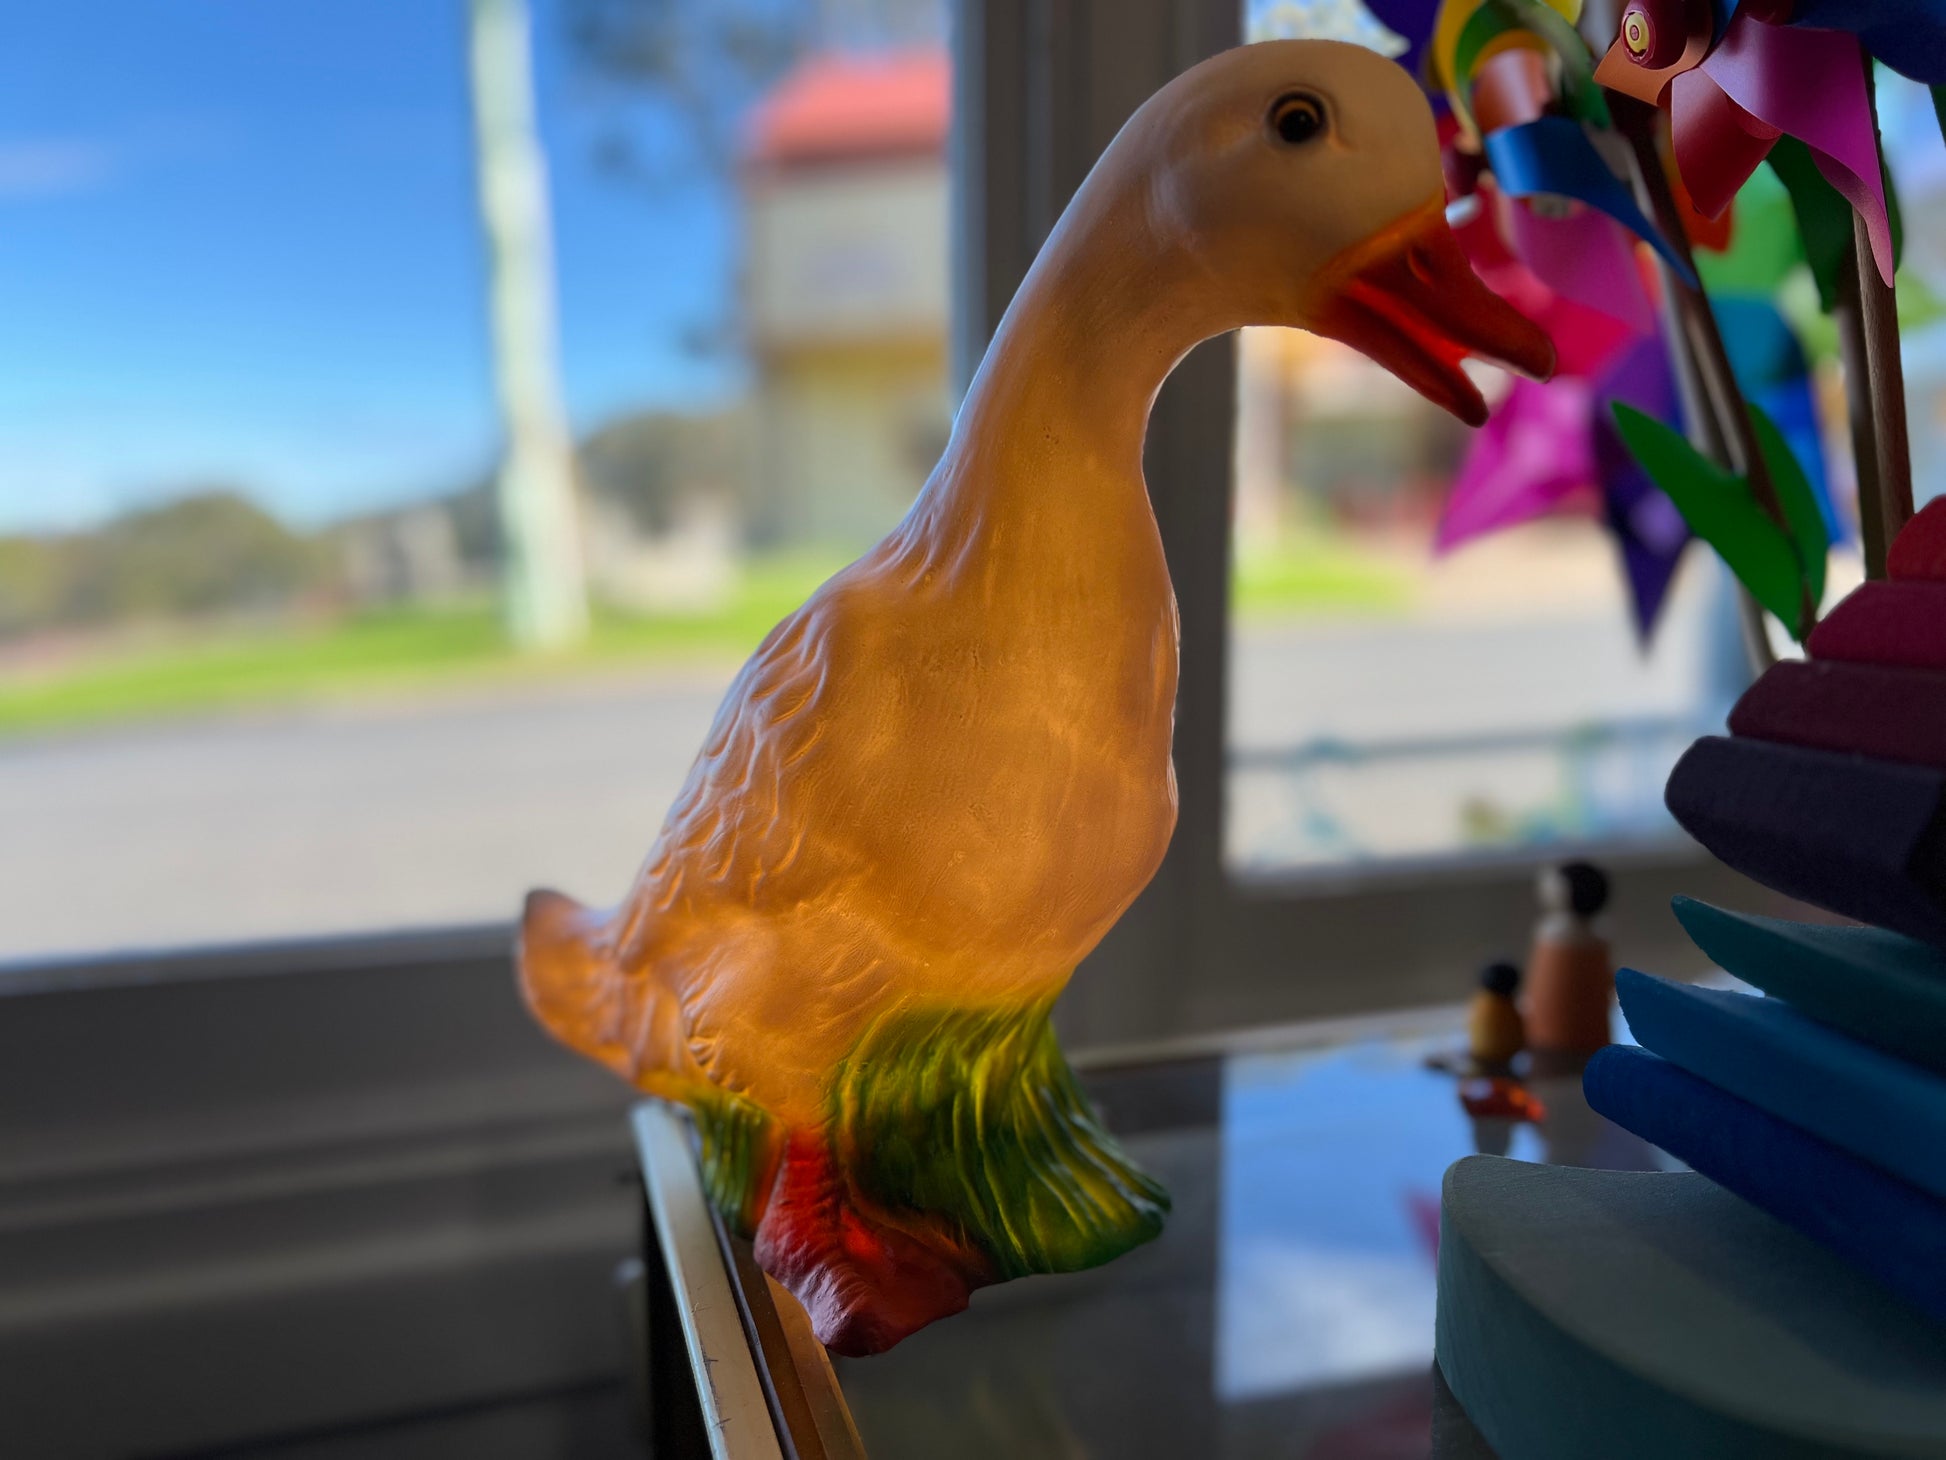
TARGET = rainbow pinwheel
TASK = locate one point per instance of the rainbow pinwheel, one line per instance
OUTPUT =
(1791, 81)
(1550, 224)
(1521, 82)
(1552, 198)
(1543, 183)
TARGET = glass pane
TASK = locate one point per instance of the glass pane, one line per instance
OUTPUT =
(256, 674)
(1390, 702)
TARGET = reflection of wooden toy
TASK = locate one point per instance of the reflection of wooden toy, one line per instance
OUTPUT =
(937, 784)
(1495, 1032)
(1570, 979)
(1498, 1097)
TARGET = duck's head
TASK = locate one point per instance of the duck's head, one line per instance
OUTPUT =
(1301, 181)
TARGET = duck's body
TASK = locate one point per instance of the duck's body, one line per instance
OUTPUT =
(941, 778)
(937, 784)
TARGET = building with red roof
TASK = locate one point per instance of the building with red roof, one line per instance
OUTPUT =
(845, 289)
(843, 108)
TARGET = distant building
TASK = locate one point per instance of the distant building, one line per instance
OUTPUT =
(409, 555)
(846, 292)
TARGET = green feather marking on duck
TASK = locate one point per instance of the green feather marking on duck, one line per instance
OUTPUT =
(739, 1154)
(973, 1118)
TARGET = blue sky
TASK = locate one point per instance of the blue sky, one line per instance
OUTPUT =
(238, 241)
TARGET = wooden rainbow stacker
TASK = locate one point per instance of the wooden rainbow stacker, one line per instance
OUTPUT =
(1620, 1314)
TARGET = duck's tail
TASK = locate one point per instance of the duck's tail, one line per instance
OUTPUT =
(577, 987)
(570, 978)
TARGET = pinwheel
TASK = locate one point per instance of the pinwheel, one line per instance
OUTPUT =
(1553, 226)
(1520, 81)
(1793, 83)
(1733, 92)
(1547, 445)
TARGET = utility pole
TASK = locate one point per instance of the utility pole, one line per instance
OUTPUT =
(544, 596)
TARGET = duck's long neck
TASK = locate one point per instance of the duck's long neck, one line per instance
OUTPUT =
(1054, 420)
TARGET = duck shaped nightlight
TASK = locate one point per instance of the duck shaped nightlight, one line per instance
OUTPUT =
(937, 784)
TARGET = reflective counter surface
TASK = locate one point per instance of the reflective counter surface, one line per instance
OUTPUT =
(1287, 1309)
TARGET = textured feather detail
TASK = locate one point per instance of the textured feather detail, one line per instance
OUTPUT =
(571, 986)
(741, 1146)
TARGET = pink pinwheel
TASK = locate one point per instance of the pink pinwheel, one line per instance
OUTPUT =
(1552, 448)
(1566, 265)
(1534, 454)
(1732, 95)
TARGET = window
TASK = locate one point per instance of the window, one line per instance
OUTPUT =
(1402, 692)
(1390, 702)
(255, 680)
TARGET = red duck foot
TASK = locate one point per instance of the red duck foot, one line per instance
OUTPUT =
(864, 1285)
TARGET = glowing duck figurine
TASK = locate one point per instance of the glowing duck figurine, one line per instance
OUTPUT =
(938, 783)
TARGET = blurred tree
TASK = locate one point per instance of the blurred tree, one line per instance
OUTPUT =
(209, 551)
(657, 464)
(31, 578)
(653, 464)
(702, 64)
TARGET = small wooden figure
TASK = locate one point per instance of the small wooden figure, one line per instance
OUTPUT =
(1570, 978)
(1495, 1032)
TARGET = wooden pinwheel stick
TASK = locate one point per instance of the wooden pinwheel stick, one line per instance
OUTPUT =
(1868, 336)
(1719, 421)
(1849, 317)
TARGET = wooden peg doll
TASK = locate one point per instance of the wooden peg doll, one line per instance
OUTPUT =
(1570, 977)
(1495, 1032)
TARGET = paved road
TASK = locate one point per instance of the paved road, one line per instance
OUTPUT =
(445, 809)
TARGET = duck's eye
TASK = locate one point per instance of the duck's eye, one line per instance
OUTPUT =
(1297, 117)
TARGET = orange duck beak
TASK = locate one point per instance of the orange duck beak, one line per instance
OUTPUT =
(1407, 298)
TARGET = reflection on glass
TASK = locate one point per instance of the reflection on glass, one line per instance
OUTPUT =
(1330, 1219)
(1287, 1308)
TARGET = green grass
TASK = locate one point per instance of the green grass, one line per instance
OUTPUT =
(413, 647)
(1303, 576)
(252, 667)
(380, 651)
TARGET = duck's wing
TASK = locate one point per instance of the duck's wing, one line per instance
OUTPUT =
(617, 986)
(739, 822)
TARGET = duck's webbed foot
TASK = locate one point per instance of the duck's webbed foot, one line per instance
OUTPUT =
(865, 1283)
(960, 1152)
